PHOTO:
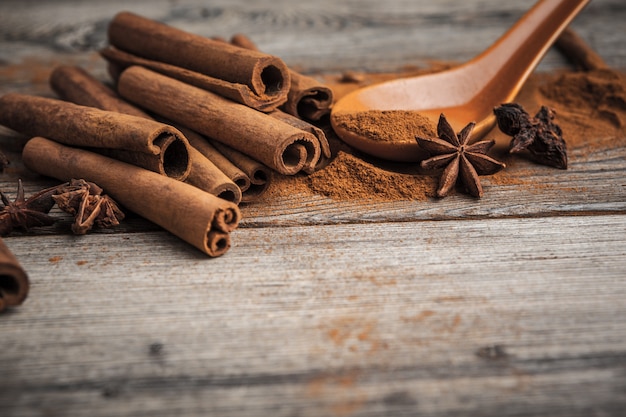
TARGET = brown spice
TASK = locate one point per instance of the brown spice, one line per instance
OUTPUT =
(199, 218)
(348, 178)
(395, 126)
(463, 161)
(85, 201)
(307, 99)
(25, 213)
(540, 135)
(264, 78)
(282, 147)
(146, 143)
(598, 94)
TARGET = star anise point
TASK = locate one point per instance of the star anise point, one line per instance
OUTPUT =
(463, 163)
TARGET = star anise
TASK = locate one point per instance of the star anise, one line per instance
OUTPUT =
(85, 201)
(461, 160)
(540, 135)
(26, 213)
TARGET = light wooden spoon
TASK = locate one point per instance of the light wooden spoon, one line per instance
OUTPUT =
(465, 93)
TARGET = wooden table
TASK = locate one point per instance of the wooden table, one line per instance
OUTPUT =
(512, 305)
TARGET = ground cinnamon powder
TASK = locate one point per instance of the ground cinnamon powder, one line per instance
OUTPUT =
(349, 177)
(590, 105)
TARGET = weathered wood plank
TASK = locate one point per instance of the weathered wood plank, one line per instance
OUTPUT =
(428, 317)
(320, 36)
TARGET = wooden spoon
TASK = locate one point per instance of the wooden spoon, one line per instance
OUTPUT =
(465, 93)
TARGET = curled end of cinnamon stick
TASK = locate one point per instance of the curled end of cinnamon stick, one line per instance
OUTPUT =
(217, 240)
(14, 283)
(229, 192)
(226, 219)
(310, 103)
(253, 177)
(301, 153)
(259, 181)
(271, 75)
(217, 243)
(174, 155)
(270, 78)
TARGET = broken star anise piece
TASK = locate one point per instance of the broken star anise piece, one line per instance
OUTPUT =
(540, 135)
(461, 160)
(26, 213)
(84, 200)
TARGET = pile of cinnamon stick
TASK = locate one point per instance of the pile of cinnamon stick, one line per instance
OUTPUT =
(192, 127)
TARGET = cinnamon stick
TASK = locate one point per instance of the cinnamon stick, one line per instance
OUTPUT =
(276, 144)
(76, 85)
(240, 93)
(14, 283)
(266, 77)
(307, 99)
(195, 216)
(147, 143)
(578, 51)
(227, 167)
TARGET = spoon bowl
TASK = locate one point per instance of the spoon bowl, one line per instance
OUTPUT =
(465, 93)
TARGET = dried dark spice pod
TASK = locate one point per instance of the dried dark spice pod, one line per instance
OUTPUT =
(26, 213)
(461, 159)
(84, 200)
(539, 135)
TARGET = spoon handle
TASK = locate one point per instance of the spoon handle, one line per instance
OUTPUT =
(516, 54)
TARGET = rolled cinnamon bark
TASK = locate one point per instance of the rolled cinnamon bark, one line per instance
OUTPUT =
(147, 143)
(75, 84)
(229, 169)
(274, 143)
(257, 173)
(237, 92)
(307, 98)
(266, 76)
(578, 51)
(195, 216)
(14, 283)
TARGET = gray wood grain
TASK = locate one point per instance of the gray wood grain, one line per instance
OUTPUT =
(296, 321)
(508, 306)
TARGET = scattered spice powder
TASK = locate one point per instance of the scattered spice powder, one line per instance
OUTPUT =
(350, 178)
(594, 100)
